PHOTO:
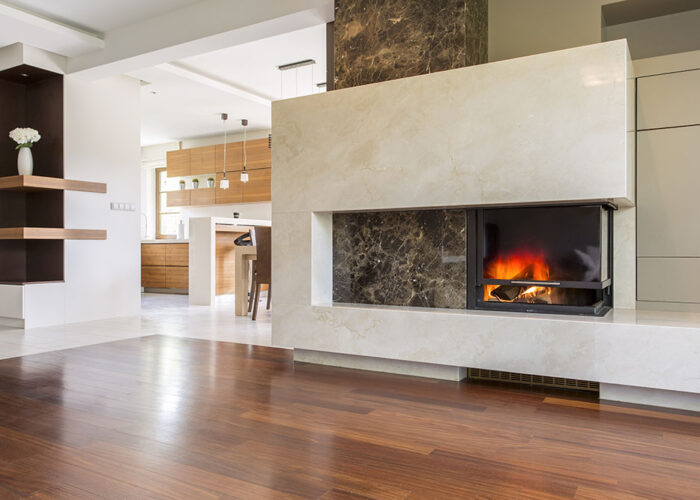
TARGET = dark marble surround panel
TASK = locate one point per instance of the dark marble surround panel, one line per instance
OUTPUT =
(404, 258)
(379, 40)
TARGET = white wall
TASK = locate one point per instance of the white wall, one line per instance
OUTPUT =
(102, 144)
(659, 35)
(147, 221)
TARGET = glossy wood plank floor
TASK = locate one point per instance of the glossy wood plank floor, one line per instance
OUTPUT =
(167, 417)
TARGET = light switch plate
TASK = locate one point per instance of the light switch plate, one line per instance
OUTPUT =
(122, 207)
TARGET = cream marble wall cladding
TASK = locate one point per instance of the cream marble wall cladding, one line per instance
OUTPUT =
(408, 258)
(637, 348)
(379, 40)
(427, 370)
(548, 127)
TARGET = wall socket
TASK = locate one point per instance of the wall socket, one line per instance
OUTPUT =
(123, 207)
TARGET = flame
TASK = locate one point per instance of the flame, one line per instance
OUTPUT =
(522, 265)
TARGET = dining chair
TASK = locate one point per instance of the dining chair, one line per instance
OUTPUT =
(262, 239)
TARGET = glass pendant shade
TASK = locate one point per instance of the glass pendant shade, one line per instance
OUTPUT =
(224, 184)
(244, 176)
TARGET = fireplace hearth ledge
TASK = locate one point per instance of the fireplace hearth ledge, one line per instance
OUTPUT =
(646, 349)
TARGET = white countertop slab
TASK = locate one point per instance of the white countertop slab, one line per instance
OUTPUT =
(238, 222)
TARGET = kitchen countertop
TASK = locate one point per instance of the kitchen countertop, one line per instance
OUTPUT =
(151, 242)
(239, 222)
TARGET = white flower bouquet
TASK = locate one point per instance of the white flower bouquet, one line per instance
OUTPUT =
(25, 137)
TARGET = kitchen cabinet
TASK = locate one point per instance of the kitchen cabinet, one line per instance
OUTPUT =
(234, 194)
(258, 187)
(202, 161)
(179, 198)
(178, 163)
(165, 266)
(208, 161)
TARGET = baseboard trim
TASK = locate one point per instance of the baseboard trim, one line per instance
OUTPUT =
(650, 397)
(173, 291)
(12, 322)
(366, 363)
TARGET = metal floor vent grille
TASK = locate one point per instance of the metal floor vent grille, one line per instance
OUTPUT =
(522, 378)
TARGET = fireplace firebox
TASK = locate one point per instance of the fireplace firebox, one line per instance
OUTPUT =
(544, 259)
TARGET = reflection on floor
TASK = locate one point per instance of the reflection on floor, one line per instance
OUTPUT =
(160, 314)
(177, 418)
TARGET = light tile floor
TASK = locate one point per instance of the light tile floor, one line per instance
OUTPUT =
(161, 314)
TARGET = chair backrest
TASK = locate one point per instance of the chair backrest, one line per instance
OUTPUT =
(263, 245)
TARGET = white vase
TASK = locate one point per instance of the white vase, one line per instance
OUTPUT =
(25, 161)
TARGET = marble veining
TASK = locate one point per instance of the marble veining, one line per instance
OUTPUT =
(379, 40)
(408, 258)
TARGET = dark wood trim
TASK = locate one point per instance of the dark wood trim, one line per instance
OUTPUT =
(330, 56)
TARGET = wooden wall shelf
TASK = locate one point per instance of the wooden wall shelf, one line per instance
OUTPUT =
(40, 183)
(51, 233)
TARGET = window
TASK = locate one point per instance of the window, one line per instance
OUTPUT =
(167, 218)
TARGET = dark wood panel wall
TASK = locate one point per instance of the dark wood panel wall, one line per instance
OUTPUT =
(48, 120)
(32, 97)
(379, 40)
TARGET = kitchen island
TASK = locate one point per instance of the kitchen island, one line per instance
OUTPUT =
(211, 258)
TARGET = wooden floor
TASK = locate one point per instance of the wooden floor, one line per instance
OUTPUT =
(166, 417)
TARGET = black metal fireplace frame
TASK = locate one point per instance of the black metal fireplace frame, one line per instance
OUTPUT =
(476, 281)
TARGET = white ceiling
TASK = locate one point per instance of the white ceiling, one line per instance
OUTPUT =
(99, 16)
(254, 65)
(183, 109)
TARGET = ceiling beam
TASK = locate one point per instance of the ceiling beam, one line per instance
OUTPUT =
(230, 88)
(175, 35)
(38, 31)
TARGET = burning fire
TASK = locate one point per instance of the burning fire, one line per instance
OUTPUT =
(522, 266)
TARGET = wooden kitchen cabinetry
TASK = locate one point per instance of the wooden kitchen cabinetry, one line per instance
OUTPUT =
(180, 198)
(178, 162)
(258, 187)
(208, 161)
(202, 161)
(165, 266)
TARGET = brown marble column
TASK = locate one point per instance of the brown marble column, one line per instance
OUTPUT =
(379, 40)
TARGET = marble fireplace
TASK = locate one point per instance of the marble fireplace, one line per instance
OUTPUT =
(544, 259)
(436, 151)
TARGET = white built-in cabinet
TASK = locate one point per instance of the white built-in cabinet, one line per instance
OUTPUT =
(668, 188)
(670, 100)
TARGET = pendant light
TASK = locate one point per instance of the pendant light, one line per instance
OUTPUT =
(244, 173)
(224, 181)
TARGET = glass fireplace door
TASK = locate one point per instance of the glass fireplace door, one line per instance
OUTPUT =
(533, 258)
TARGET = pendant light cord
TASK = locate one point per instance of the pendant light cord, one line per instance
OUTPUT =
(223, 120)
(245, 155)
